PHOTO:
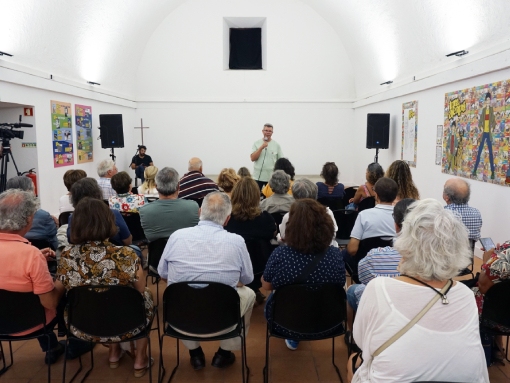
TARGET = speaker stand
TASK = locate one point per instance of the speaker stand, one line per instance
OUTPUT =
(376, 158)
(112, 155)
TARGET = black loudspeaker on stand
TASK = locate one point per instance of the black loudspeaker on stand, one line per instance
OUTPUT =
(112, 133)
(378, 132)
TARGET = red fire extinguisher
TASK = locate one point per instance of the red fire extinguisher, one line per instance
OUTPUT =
(33, 177)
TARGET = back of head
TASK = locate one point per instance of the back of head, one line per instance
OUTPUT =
(16, 207)
(400, 210)
(86, 187)
(374, 172)
(457, 190)
(92, 221)
(280, 182)
(20, 182)
(167, 181)
(400, 172)
(330, 173)
(243, 172)
(73, 175)
(195, 164)
(227, 179)
(216, 207)
(245, 199)
(104, 167)
(304, 188)
(386, 189)
(285, 165)
(433, 242)
(121, 182)
(150, 172)
(309, 229)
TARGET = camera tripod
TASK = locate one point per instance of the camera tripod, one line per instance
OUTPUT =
(6, 153)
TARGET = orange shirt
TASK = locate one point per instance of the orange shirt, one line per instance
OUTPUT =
(23, 268)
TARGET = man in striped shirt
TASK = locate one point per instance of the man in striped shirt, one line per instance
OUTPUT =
(194, 185)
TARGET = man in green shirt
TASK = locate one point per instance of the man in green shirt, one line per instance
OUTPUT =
(265, 152)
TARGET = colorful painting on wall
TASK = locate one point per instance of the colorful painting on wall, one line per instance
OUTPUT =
(62, 128)
(83, 116)
(476, 134)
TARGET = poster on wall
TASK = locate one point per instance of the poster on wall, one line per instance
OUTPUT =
(476, 135)
(62, 128)
(409, 132)
(83, 116)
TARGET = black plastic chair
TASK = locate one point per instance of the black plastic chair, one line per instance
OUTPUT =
(202, 308)
(63, 218)
(350, 192)
(278, 217)
(135, 228)
(365, 245)
(44, 244)
(155, 252)
(308, 310)
(334, 203)
(105, 311)
(20, 312)
(367, 203)
(495, 318)
(345, 220)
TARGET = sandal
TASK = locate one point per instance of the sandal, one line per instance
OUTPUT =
(139, 372)
(116, 364)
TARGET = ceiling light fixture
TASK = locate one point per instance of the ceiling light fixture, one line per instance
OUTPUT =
(458, 53)
(387, 82)
(5, 54)
(93, 83)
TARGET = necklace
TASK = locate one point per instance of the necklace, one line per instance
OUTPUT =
(443, 295)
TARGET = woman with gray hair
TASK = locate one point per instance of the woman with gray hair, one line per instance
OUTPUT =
(280, 201)
(423, 311)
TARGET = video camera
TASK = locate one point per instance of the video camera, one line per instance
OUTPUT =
(7, 134)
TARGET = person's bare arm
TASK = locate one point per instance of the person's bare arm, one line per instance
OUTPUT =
(140, 283)
(151, 164)
(484, 282)
(266, 285)
(353, 246)
(256, 154)
(487, 255)
(357, 197)
(50, 299)
(128, 241)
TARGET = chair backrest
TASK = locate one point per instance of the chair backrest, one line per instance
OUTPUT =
(106, 311)
(496, 310)
(156, 248)
(259, 250)
(20, 312)
(63, 218)
(334, 203)
(345, 220)
(199, 307)
(278, 217)
(41, 243)
(367, 244)
(367, 203)
(350, 192)
(309, 309)
(134, 225)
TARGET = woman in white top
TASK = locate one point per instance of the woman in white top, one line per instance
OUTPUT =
(149, 185)
(444, 345)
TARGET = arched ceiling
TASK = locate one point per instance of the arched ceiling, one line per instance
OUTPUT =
(102, 41)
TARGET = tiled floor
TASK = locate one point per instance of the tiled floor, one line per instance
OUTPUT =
(310, 363)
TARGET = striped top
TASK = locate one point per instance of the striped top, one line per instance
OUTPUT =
(194, 185)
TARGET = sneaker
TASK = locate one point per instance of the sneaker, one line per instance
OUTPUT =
(292, 344)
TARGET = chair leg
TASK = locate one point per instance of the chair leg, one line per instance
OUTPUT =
(161, 360)
(506, 351)
(91, 366)
(243, 355)
(265, 371)
(6, 367)
(65, 365)
(49, 365)
(333, 360)
(150, 355)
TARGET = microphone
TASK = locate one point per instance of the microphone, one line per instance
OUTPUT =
(22, 125)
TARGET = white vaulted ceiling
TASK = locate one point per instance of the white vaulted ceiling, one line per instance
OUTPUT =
(103, 40)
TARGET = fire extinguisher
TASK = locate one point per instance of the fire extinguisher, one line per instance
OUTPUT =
(33, 177)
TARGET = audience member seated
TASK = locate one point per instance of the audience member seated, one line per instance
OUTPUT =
(227, 179)
(94, 260)
(444, 345)
(207, 252)
(373, 173)
(88, 187)
(330, 187)
(162, 217)
(285, 165)
(24, 267)
(243, 172)
(379, 262)
(148, 187)
(106, 170)
(280, 201)
(194, 185)
(304, 188)
(44, 226)
(376, 222)
(125, 201)
(248, 221)
(400, 172)
(309, 233)
(495, 268)
(70, 177)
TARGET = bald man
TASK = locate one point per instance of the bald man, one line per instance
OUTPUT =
(456, 194)
(194, 185)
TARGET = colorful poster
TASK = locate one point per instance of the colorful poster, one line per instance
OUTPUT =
(476, 135)
(409, 132)
(83, 115)
(62, 127)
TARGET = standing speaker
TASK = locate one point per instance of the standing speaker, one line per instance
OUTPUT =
(112, 134)
(378, 130)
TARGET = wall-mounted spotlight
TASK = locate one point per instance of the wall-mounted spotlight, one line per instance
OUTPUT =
(458, 53)
(93, 83)
(387, 82)
(5, 54)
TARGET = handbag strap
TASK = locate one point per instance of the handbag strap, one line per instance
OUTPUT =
(407, 327)
(310, 267)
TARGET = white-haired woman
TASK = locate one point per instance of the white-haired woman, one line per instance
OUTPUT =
(444, 344)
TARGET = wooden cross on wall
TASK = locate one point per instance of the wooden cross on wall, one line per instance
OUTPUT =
(141, 127)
